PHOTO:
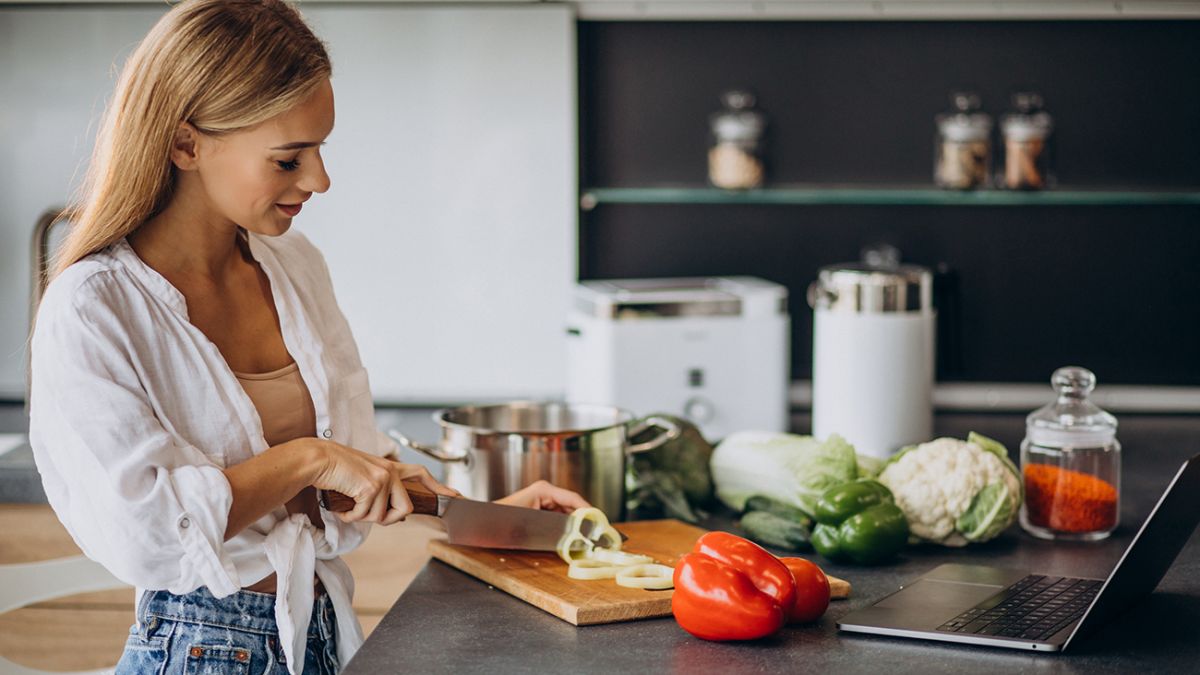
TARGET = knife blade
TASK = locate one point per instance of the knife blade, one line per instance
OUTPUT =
(476, 523)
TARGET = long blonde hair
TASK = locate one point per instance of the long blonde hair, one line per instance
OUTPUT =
(221, 65)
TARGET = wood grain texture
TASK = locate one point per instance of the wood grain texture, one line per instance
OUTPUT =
(57, 639)
(540, 578)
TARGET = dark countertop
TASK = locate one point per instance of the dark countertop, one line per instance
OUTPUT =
(448, 621)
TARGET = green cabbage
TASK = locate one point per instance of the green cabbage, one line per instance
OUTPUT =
(793, 469)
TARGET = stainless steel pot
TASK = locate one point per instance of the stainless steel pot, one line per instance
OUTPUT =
(491, 451)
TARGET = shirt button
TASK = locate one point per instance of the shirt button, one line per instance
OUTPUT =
(185, 523)
(328, 433)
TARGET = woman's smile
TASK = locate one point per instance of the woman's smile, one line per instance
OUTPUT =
(290, 210)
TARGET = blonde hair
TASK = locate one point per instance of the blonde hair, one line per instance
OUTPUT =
(222, 66)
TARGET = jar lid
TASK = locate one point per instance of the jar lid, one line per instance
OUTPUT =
(863, 288)
(1071, 420)
(1029, 121)
(739, 121)
(967, 121)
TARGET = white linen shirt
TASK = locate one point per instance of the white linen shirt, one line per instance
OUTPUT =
(134, 413)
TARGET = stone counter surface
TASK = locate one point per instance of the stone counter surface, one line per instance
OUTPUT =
(448, 622)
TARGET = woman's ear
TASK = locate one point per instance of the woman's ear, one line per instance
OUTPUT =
(183, 147)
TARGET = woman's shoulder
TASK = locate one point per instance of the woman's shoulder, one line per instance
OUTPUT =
(90, 284)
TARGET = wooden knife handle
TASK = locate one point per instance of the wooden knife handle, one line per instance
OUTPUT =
(423, 501)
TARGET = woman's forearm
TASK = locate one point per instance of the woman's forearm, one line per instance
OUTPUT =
(268, 480)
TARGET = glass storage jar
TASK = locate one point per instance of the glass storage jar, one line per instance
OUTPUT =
(963, 151)
(1071, 464)
(1026, 133)
(735, 156)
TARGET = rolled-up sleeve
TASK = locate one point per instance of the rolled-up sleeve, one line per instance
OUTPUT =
(150, 509)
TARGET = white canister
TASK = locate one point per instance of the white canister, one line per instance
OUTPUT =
(873, 363)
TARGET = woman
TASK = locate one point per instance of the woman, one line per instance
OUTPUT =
(194, 383)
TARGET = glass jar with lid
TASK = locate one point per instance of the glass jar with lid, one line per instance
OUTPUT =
(1071, 464)
(735, 156)
(1026, 133)
(962, 153)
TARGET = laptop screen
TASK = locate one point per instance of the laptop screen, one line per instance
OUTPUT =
(1152, 550)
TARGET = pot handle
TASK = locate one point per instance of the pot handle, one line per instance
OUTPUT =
(670, 432)
(424, 449)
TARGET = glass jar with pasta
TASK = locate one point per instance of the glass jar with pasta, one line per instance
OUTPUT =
(963, 150)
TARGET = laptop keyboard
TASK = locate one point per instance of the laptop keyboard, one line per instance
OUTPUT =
(1034, 608)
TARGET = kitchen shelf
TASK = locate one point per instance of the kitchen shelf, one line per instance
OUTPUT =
(885, 196)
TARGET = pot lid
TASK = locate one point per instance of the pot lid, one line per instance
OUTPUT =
(864, 288)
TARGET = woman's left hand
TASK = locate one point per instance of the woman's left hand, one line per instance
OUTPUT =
(547, 497)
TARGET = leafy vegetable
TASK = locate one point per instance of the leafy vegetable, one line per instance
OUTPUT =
(768, 529)
(954, 492)
(868, 466)
(672, 480)
(793, 469)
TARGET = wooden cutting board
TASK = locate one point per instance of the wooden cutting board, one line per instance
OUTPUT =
(540, 578)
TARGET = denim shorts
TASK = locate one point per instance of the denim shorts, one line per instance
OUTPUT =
(197, 633)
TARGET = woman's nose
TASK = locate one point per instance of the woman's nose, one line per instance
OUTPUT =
(315, 179)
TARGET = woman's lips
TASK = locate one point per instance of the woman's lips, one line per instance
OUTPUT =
(289, 209)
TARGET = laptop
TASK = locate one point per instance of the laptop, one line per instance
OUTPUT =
(979, 605)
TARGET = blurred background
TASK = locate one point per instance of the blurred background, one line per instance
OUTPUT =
(490, 156)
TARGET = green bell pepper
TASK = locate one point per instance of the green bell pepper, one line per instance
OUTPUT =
(859, 522)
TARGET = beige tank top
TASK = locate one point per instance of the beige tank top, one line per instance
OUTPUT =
(283, 403)
(286, 410)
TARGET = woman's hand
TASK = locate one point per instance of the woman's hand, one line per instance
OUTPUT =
(374, 483)
(546, 497)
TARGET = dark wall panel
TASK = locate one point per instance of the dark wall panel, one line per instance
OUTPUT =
(1029, 296)
(1027, 288)
(855, 102)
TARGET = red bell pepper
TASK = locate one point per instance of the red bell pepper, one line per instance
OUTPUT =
(729, 588)
(812, 590)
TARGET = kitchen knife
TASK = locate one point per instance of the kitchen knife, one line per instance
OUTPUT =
(483, 524)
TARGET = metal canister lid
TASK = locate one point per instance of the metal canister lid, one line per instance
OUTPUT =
(861, 288)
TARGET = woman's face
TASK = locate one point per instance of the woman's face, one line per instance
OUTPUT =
(259, 177)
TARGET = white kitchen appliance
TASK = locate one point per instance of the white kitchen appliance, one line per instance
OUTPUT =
(873, 350)
(714, 351)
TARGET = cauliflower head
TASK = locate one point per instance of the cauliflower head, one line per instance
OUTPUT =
(953, 491)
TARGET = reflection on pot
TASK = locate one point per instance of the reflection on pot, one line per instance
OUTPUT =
(492, 451)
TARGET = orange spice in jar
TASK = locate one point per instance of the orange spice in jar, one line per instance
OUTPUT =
(1069, 501)
(1071, 462)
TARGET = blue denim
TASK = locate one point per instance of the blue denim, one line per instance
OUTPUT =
(235, 635)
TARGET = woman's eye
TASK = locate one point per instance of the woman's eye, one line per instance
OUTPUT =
(289, 165)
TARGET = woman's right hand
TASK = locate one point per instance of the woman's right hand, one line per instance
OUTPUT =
(374, 483)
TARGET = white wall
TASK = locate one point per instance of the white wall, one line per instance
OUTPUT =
(450, 229)
(56, 70)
